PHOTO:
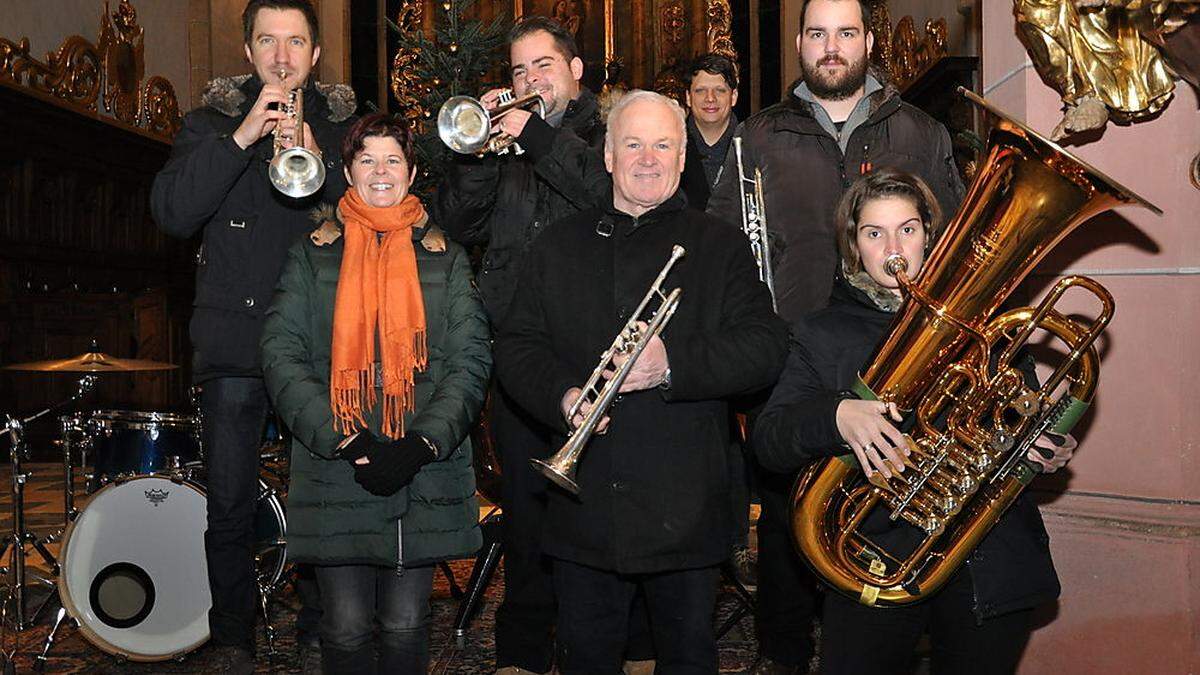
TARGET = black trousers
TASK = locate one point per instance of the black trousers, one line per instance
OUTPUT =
(594, 618)
(525, 617)
(234, 411)
(787, 598)
(859, 639)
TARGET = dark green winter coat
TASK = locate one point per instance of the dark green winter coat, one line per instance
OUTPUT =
(331, 519)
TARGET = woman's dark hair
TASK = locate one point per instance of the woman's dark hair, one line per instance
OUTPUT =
(377, 124)
(880, 184)
(713, 64)
(304, 6)
(562, 37)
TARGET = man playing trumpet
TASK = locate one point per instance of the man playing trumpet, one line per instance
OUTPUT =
(505, 202)
(216, 184)
(653, 509)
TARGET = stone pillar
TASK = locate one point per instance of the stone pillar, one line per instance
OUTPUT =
(1125, 515)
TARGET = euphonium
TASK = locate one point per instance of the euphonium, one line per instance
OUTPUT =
(631, 341)
(949, 361)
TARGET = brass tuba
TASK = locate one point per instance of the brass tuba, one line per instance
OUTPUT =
(947, 359)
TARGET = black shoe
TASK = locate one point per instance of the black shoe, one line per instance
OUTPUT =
(232, 659)
(310, 657)
(745, 567)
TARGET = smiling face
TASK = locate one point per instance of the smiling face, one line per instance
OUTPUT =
(710, 98)
(282, 43)
(833, 45)
(644, 153)
(379, 173)
(889, 226)
(538, 65)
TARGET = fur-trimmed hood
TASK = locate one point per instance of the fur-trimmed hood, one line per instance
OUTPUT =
(228, 94)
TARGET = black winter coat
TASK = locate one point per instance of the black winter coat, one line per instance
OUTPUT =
(213, 185)
(1010, 570)
(655, 487)
(805, 174)
(506, 201)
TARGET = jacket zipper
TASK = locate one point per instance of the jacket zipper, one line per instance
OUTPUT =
(399, 547)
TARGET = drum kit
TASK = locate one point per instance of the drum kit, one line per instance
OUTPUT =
(130, 572)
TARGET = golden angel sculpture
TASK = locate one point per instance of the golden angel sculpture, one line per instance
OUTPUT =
(1109, 58)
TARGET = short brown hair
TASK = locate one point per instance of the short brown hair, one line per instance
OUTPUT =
(862, 6)
(713, 64)
(377, 124)
(562, 37)
(303, 6)
(880, 184)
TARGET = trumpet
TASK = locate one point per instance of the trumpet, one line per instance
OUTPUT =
(465, 125)
(632, 340)
(296, 171)
(754, 220)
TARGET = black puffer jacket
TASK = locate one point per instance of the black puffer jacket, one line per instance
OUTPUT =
(805, 173)
(213, 185)
(655, 487)
(1010, 570)
(506, 201)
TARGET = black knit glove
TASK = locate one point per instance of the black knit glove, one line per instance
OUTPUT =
(390, 466)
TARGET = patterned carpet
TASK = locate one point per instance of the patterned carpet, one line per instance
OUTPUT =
(72, 653)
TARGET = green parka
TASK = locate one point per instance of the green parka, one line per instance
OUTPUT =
(331, 519)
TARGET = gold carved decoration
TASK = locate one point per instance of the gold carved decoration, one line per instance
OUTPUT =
(84, 76)
(720, 29)
(899, 52)
(671, 24)
(406, 84)
(1104, 57)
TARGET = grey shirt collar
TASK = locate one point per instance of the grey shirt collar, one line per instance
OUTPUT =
(862, 110)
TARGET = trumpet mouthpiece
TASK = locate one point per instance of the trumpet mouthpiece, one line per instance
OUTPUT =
(895, 264)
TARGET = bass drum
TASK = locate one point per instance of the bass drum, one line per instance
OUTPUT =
(133, 571)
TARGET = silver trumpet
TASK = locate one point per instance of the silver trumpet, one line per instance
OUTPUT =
(754, 220)
(296, 171)
(465, 125)
(562, 466)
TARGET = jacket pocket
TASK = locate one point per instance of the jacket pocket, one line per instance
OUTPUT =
(223, 280)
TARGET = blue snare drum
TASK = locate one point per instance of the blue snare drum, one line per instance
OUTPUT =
(128, 442)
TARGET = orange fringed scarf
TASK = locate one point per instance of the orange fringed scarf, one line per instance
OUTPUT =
(377, 287)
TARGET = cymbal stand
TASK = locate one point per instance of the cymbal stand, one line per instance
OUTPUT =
(16, 542)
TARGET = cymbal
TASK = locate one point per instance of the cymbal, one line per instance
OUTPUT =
(92, 362)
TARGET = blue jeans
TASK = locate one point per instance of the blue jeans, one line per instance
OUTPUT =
(234, 410)
(354, 598)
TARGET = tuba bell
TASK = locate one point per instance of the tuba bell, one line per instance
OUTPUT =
(948, 360)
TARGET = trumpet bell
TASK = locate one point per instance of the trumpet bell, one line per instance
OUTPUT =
(297, 172)
(562, 476)
(464, 125)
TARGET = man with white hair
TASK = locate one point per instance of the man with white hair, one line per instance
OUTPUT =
(653, 508)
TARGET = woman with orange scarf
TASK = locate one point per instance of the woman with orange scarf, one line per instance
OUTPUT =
(376, 355)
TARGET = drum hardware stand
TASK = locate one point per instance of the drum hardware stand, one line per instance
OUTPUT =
(266, 593)
(481, 574)
(16, 542)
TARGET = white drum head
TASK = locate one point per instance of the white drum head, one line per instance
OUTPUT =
(133, 569)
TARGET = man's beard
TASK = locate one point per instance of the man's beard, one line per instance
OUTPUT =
(835, 87)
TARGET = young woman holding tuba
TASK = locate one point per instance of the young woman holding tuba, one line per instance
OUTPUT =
(981, 619)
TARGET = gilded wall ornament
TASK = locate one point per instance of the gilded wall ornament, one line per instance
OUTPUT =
(720, 29)
(900, 53)
(106, 75)
(406, 84)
